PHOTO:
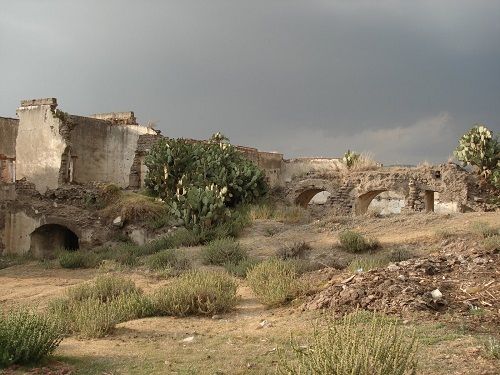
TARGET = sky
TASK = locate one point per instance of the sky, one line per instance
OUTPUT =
(400, 80)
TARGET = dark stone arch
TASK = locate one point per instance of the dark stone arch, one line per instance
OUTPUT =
(48, 238)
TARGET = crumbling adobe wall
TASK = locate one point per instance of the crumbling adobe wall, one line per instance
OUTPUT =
(103, 151)
(304, 167)
(138, 169)
(352, 192)
(65, 208)
(8, 134)
(40, 144)
(54, 148)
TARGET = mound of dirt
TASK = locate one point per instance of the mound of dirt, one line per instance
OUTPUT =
(459, 279)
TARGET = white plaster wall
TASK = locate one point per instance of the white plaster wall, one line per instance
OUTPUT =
(104, 152)
(39, 147)
(441, 207)
(18, 228)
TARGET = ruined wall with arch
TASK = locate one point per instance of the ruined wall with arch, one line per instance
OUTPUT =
(352, 192)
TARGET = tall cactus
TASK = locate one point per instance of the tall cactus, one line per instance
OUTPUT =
(480, 148)
(199, 180)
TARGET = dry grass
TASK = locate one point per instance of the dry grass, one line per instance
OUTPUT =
(365, 162)
(283, 214)
(135, 207)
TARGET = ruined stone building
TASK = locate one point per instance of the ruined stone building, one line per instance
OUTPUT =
(49, 161)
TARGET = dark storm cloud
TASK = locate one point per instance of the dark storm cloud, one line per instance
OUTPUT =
(400, 79)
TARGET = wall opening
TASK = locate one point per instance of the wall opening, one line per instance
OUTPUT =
(381, 202)
(320, 198)
(429, 201)
(48, 238)
(307, 195)
(444, 206)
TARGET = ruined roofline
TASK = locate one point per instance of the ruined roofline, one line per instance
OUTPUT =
(36, 102)
(122, 118)
(310, 158)
(9, 118)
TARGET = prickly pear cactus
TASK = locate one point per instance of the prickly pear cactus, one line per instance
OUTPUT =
(478, 147)
(200, 180)
(350, 158)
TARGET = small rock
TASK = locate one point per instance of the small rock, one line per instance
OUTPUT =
(216, 317)
(118, 222)
(188, 339)
(436, 294)
(392, 268)
(264, 324)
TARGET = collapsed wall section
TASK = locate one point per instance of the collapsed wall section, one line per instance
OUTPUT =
(103, 151)
(40, 144)
(8, 134)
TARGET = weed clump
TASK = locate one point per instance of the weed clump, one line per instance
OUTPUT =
(492, 243)
(295, 250)
(355, 242)
(196, 293)
(27, 337)
(167, 259)
(222, 251)
(77, 259)
(353, 345)
(484, 230)
(93, 309)
(241, 268)
(367, 263)
(104, 288)
(274, 281)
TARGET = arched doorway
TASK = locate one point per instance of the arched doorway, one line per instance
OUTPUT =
(306, 196)
(381, 202)
(48, 238)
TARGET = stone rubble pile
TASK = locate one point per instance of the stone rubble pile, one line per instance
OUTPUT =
(458, 281)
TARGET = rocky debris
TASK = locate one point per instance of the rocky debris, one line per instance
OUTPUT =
(118, 222)
(448, 281)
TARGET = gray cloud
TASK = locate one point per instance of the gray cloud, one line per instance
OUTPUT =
(400, 79)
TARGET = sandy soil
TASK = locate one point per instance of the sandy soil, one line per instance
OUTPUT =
(237, 343)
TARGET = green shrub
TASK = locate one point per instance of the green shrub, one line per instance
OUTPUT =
(77, 259)
(167, 259)
(350, 346)
(180, 238)
(484, 229)
(355, 242)
(27, 337)
(93, 309)
(368, 262)
(399, 254)
(104, 288)
(295, 250)
(492, 243)
(221, 251)
(241, 268)
(492, 347)
(133, 306)
(92, 318)
(196, 292)
(274, 281)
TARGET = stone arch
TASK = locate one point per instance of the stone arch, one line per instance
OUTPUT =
(47, 238)
(305, 190)
(363, 199)
(305, 197)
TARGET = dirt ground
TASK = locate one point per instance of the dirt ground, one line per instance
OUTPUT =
(247, 340)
